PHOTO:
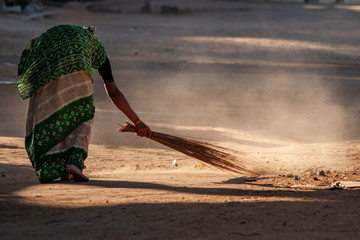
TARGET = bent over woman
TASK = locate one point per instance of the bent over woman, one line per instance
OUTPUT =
(55, 70)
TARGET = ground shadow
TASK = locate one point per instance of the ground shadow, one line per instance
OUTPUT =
(256, 216)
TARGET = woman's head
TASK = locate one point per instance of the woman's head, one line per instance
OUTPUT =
(90, 29)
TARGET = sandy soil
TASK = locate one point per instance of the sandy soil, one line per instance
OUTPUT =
(278, 83)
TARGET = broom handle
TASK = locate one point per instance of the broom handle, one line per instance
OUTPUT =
(128, 127)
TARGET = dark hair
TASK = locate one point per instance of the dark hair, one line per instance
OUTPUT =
(90, 29)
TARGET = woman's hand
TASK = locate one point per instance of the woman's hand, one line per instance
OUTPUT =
(143, 130)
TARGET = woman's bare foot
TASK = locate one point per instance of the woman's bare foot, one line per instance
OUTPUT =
(77, 174)
(68, 177)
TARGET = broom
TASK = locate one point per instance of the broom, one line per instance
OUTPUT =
(208, 153)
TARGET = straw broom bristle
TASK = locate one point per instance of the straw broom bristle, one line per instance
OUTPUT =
(205, 152)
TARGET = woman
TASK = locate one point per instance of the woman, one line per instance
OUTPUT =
(55, 70)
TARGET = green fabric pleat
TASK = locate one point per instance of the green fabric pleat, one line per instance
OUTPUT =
(51, 131)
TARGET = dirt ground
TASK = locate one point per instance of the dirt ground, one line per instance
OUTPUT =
(276, 82)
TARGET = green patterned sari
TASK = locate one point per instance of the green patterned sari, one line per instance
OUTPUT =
(55, 72)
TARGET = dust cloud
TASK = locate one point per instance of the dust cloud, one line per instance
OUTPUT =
(293, 106)
(291, 113)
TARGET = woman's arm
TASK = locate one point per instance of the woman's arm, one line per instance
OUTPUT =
(120, 101)
(118, 98)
